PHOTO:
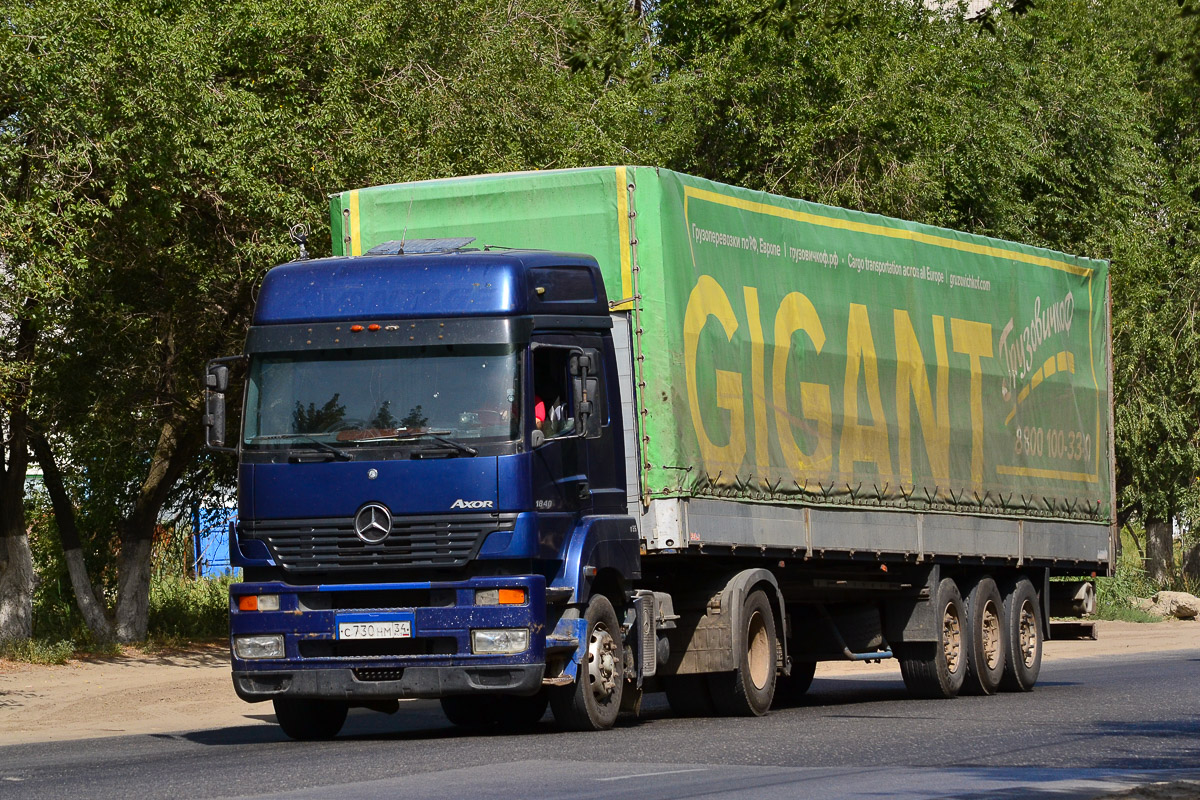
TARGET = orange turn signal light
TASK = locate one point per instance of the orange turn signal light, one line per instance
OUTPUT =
(248, 602)
(512, 597)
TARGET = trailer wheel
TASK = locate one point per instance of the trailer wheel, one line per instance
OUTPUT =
(688, 696)
(986, 637)
(937, 669)
(1023, 624)
(790, 689)
(308, 720)
(594, 700)
(749, 689)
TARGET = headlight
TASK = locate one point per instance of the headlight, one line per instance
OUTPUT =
(499, 642)
(270, 646)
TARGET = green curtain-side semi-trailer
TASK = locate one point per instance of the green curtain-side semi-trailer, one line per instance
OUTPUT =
(559, 438)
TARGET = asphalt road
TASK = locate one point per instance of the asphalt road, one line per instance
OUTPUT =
(1092, 726)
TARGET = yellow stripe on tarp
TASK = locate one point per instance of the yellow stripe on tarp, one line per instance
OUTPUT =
(623, 237)
(883, 230)
(355, 237)
(1033, 472)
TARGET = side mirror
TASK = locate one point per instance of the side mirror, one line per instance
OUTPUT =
(216, 385)
(586, 387)
(217, 379)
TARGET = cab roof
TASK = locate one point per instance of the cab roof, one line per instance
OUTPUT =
(457, 283)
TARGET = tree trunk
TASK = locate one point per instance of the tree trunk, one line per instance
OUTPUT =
(17, 579)
(1160, 551)
(16, 588)
(179, 441)
(16, 560)
(133, 583)
(68, 535)
(1191, 563)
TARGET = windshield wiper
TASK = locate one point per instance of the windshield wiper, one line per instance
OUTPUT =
(439, 436)
(342, 455)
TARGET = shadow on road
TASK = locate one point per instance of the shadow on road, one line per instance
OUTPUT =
(423, 720)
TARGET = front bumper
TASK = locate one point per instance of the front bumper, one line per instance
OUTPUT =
(435, 661)
(344, 683)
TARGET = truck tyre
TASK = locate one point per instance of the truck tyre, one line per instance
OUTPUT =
(937, 669)
(515, 713)
(504, 711)
(986, 638)
(790, 689)
(308, 720)
(749, 689)
(594, 700)
(1023, 624)
(688, 696)
(467, 711)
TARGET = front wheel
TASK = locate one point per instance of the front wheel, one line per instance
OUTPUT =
(594, 700)
(308, 720)
(503, 712)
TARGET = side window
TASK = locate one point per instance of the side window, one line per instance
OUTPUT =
(553, 412)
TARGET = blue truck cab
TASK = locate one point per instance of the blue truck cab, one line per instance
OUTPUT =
(431, 489)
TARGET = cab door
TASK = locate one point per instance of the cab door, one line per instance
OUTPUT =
(561, 487)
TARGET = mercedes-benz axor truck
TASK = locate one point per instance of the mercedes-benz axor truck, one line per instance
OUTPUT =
(562, 438)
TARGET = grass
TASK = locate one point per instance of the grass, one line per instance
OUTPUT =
(37, 651)
(1126, 614)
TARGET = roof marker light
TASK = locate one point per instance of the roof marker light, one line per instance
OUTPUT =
(372, 327)
(356, 328)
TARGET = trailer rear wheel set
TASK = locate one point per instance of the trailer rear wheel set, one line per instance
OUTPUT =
(987, 641)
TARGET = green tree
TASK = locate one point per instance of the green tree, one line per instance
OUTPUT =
(191, 135)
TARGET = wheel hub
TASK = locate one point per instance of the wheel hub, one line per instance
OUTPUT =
(758, 655)
(990, 635)
(602, 663)
(952, 637)
(1028, 634)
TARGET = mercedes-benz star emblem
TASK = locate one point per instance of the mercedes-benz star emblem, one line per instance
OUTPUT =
(373, 523)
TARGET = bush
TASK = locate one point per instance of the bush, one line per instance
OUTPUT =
(183, 609)
(1115, 595)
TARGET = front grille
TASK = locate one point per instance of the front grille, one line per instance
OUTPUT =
(368, 648)
(314, 545)
(381, 599)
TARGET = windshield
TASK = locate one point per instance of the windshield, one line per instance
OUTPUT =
(374, 397)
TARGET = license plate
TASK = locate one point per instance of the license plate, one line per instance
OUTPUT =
(381, 627)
